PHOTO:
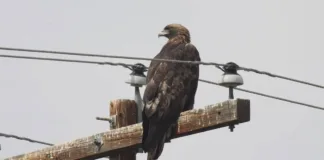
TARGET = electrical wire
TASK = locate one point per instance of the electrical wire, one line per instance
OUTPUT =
(128, 66)
(110, 56)
(217, 65)
(24, 138)
(268, 96)
(279, 76)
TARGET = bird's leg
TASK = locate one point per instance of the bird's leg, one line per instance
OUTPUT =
(174, 130)
(171, 132)
(168, 136)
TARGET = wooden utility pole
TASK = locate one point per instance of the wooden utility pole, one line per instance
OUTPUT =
(115, 141)
(125, 114)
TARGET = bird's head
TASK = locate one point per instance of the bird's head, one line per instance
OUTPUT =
(175, 30)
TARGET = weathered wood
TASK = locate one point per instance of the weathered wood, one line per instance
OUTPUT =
(125, 112)
(193, 121)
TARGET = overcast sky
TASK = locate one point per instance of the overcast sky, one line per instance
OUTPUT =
(58, 102)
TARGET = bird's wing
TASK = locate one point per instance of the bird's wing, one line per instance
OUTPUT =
(171, 82)
(170, 87)
(192, 54)
(156, 95)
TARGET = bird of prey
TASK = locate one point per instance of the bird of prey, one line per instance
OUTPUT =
(171, 89)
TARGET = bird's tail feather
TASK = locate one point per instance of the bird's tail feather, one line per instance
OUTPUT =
(156, 152)
(155, 145)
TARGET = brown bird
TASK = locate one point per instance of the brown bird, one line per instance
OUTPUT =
(170, 90)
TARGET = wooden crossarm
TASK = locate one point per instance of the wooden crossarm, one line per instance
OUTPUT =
(191, 122)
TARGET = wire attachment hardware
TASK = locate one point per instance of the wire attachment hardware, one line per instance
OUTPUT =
(231, 79)
(137, 79)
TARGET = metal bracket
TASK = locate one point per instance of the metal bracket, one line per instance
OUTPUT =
(98, 142)
(111, 120)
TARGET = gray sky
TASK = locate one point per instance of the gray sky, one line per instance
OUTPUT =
(58, 102)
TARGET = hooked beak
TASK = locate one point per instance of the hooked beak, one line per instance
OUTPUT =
(163, 33)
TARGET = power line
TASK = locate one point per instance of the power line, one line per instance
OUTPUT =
(129, 66)
(279, 76)
(268, 96)
(218, 65)
(66, 60)
(24, 138)
(110, 56)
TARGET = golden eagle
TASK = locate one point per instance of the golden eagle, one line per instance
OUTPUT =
(171, 89)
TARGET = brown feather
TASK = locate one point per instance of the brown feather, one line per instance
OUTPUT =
(170, 90)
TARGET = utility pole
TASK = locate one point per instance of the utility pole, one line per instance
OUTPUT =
(124, 111)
